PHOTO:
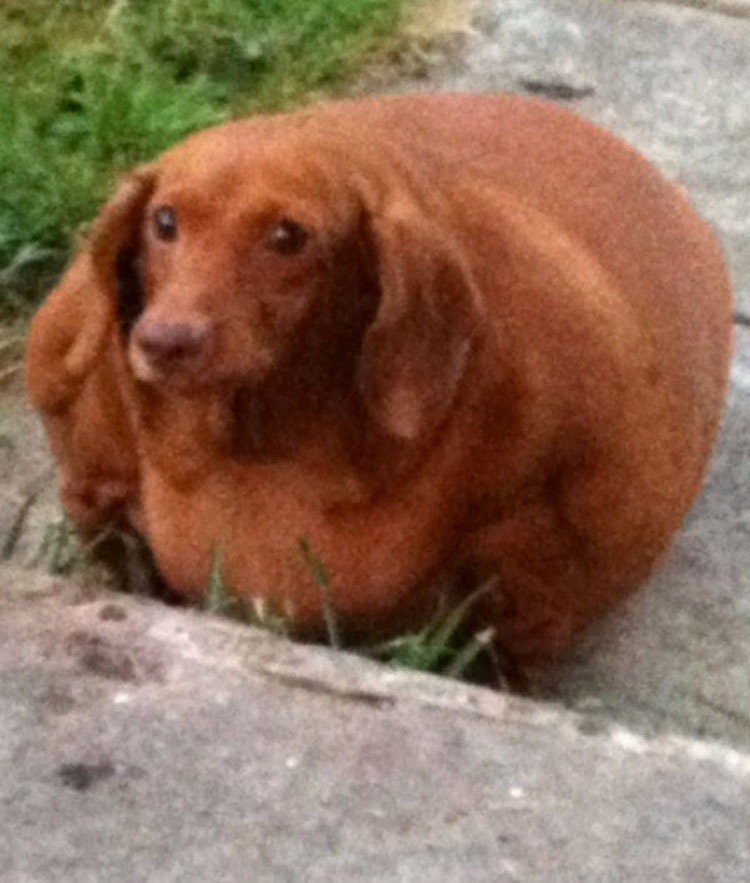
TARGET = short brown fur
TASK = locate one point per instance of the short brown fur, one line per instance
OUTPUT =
(504, 351)
(76, 378)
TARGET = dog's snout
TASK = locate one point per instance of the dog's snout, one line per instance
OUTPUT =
(172, 341)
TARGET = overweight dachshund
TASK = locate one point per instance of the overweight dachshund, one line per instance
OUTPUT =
(435, 334)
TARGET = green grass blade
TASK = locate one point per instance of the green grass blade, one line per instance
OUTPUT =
(465, 657)
(217, 599)
(320, 578)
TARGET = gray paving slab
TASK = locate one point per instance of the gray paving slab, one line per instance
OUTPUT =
(140, 743)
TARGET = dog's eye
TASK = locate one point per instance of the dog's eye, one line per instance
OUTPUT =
(288, 237)
(165, 222)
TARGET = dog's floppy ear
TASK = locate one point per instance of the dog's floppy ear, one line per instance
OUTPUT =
(416, 349)
(99, 288)
(115, 245)
(66, 336)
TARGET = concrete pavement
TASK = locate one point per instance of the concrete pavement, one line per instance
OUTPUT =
(142, 743)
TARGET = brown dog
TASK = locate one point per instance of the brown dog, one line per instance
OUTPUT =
(438, 332)
(76, 378)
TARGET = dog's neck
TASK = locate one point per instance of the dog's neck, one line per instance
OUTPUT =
(308, 403)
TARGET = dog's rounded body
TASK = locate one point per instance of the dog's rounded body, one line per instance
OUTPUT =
(472, 334)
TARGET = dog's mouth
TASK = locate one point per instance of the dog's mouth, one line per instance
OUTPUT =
(183, 379)
(150, 372)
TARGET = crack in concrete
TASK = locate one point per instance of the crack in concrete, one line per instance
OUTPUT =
(729, 8)
(16, 528)
(730, 714)
(315, 685)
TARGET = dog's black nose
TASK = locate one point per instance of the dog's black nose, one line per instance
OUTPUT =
(172, 341)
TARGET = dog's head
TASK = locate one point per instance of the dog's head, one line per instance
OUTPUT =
(271, 245)
(75, 379)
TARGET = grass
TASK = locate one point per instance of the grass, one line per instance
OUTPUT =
(114, 558)
(91, 87)
(442, 645)
(256, 612)
(320, 578)
(446, 645)
(61, 552)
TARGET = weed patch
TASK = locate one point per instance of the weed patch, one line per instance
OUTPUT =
(256, 612)
(447, 645)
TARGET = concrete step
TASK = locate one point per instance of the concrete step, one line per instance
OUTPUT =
(139, 742)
